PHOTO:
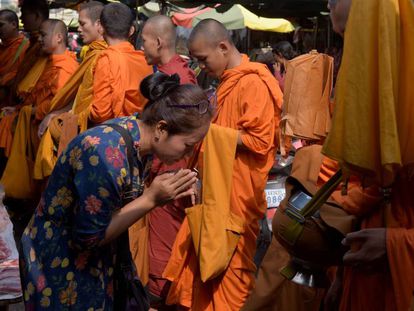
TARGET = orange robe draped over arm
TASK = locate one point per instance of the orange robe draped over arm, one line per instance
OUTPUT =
(57, 73)
(118, 74)
(248, 100)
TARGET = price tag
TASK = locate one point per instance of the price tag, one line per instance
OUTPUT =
(274, 197)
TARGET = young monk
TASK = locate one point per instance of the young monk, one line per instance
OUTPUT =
(76, 95)
(158, 38)
(60, 65)
(248, 98)
(377, 43)
(12, 49)
(119, 69)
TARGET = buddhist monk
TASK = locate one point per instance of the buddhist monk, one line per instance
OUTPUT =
(248, 98)
(119, 69)
(12, 49)
(158, 40)
(34, 12)
(159, 44)
(75, 96)
(60, 65)
(374, 90)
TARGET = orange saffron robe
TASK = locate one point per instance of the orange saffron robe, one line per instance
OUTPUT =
(11, 55)
(248, 98)
(118, 74)
(57, 72)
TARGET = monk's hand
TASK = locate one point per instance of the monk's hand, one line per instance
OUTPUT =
(368, 249)
(171, 186)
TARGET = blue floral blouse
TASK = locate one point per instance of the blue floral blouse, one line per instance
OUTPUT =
(63, 266)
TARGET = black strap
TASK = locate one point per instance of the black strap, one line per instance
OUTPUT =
(124, 254)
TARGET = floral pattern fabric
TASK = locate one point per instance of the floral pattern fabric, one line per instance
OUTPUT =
(63, 265)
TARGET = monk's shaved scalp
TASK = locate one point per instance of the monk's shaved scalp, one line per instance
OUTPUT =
(117, 20)
(58, 26)
(163, 27)
(10, 16)
(93, 8)
(211, 31)
(36, 6)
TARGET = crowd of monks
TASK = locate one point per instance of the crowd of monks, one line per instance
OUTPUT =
(190, 260)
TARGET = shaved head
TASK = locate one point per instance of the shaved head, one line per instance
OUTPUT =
(53, 36)
(10, 16)
(9, 25)
(163, 27)
(58, 27)
(93, 9)
(211, 31)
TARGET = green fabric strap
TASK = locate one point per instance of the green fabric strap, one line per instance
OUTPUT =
(19, 50)
(292, 231)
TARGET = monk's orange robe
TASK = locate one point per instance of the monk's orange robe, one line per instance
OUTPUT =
(57, 72)
(248, 98)
(32, 55)
(11, 55)
(118, 74)
(77, 93)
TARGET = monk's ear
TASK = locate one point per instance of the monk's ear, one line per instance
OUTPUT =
(59, 37)
(131, 30)
(223, 47)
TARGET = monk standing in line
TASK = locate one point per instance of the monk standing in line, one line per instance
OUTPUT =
(119, 69)
(248, 98)
(60, 65)
(34, 12)
(12, 49)
(159, 44)
(372, 135)
(75, 96)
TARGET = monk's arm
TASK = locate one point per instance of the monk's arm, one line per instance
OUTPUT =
(257, 123)
(43, 108)
(101, 108)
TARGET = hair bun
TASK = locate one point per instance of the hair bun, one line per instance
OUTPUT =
(158, 85)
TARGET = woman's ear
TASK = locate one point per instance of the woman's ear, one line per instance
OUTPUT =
(161, 130)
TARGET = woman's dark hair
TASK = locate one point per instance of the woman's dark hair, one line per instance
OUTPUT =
(284, 49)
(267, 59)
(183, 107)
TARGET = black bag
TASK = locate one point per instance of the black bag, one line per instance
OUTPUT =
(129, 293)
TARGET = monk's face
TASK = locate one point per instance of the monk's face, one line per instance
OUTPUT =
(7, 29)
(48, 39)
(151, 46)
(172, 148)
(89, 31)
(211, 58)
(339, 14)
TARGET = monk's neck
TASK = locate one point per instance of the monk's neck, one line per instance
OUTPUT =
(114, 41)
(60, 50)
(166, 57)
(235, 59)
(11, 38)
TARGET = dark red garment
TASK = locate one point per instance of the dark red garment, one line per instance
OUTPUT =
(165, 221)
(180, 66)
